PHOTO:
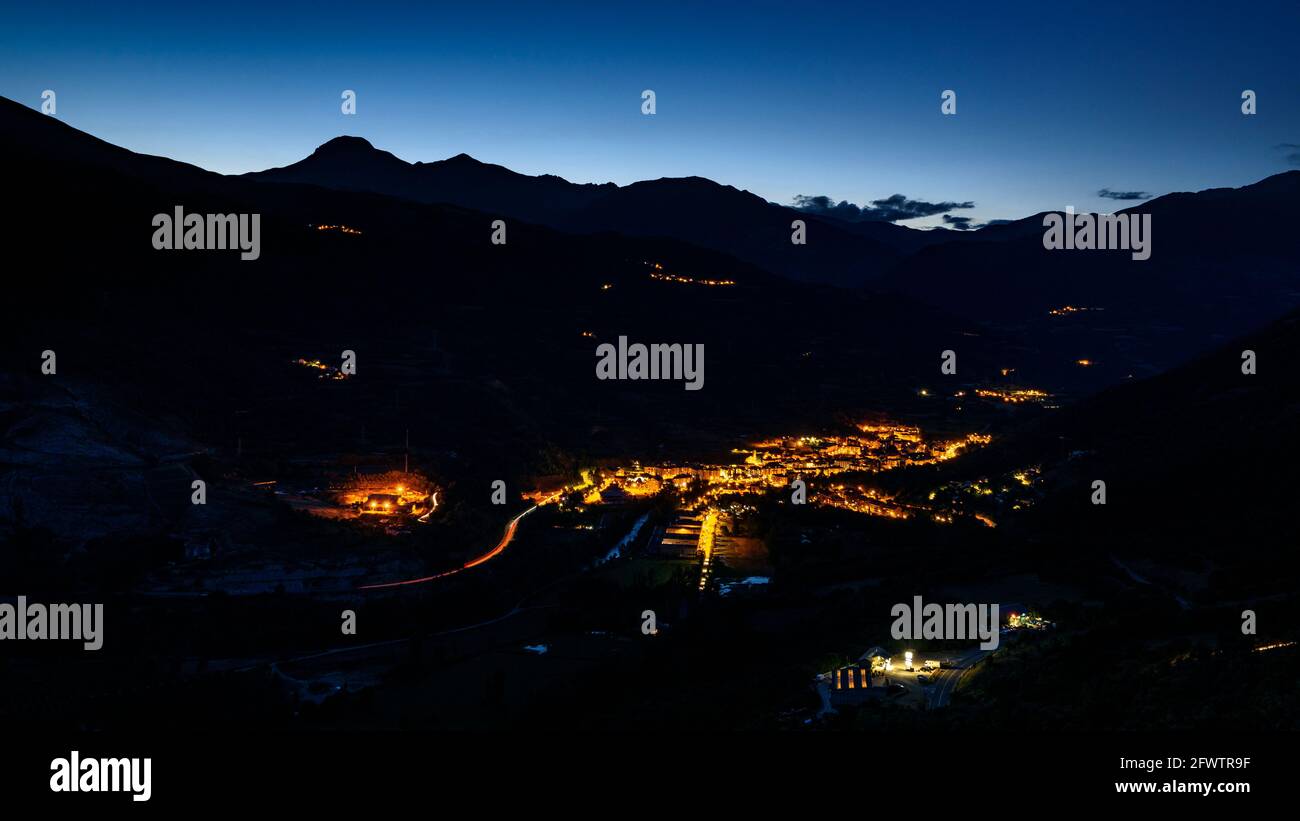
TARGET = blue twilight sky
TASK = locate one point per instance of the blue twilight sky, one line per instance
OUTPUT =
(1054, 100)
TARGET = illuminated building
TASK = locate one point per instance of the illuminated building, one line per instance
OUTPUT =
(853, 684)
(382, 504)
(390, 493)
(1027, 621)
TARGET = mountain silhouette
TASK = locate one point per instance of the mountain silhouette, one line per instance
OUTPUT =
(1211, 248)
(353, 164)
(1002, 271)
(693, 209)
(1224, 261)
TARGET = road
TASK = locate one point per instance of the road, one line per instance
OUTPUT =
(944, 683)
(424, 520)
(506, 538)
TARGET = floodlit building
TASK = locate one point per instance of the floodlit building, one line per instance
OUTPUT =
(877, 659)
(379, 493)
(852, 684)
(383, 504)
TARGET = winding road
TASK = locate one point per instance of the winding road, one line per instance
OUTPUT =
(944, 682)
(506, 538)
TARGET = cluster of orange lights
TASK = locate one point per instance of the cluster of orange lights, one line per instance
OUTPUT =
(327, 371)
(1013, 397)
(685, 280)
(660, 275)
(394, 499)
(871, 506)
(771, 463)
(953, 448)
(342, 229)
(1277, 645)
(1066, 310)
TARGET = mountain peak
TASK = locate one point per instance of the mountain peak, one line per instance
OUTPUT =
(345, 143)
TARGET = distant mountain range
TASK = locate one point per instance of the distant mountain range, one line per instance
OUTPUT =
(1208, 244)
(1223, 262)
(1216, 248)
(692, 209)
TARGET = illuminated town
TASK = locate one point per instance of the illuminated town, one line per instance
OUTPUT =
(771, 465)
(1066, 310)
(325, 371)
(1013, 396)
(662, 276)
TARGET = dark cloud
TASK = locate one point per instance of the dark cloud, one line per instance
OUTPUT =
(1293, 152)
(890, 209)
(965, 224)
(1123, 195)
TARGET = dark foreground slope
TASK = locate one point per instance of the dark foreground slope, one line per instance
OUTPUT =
(1199, 467)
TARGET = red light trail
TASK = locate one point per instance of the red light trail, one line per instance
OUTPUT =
(491, 554)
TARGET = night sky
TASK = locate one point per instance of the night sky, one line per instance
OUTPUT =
(1055, 101)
